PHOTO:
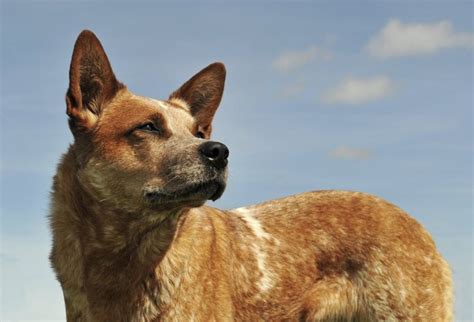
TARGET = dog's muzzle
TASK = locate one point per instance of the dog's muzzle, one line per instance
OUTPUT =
(210, 190)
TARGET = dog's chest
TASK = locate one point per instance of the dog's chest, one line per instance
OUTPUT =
(186, 282)
(150, 306)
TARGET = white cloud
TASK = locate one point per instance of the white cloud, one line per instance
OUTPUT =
(348, 153)
(359, 90)
(291, 60)
(293, 89)
(407, 39)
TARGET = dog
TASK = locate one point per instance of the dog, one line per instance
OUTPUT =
(133, 240)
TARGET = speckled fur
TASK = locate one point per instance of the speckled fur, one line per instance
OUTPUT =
(316, 256)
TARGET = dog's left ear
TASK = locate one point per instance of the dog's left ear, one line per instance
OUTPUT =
(91, 83)
(203, 93)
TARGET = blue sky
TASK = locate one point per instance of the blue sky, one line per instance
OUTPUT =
(375, 97)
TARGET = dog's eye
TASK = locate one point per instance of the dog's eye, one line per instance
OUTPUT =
(148, 127)
(200, 135)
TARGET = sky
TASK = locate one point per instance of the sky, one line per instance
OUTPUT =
(367, 96)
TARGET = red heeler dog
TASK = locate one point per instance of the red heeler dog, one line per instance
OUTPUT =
(133, 240)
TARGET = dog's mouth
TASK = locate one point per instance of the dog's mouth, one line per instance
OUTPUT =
(209, 190)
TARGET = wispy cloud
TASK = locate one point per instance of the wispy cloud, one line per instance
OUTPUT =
(293, 89)
(359, 90)
(349, 153)
(407, 39)
(292, 60)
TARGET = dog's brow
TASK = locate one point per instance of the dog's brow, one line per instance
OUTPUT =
(160, 119)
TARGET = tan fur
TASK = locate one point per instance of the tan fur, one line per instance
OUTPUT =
(316, 256)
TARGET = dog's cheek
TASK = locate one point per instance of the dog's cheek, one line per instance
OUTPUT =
(126, 155)
(109, 184)
(136, 165)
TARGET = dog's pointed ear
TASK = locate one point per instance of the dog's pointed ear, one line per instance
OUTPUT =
(91, 82)
(203, 93)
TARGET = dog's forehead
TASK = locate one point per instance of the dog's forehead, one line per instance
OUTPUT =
(172, 104)
(176, 112)
(128, 110)
(173, 110)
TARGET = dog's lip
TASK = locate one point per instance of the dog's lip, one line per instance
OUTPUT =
(219, 191)
(211, 190)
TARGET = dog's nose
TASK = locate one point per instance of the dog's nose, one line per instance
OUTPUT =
(216, 153)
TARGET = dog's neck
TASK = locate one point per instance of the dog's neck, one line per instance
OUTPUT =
(119, 248)
(113, 229)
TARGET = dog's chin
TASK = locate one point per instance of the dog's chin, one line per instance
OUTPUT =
(192, 195)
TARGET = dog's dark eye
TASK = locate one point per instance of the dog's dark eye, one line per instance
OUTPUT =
(149, 127)
(200, 135)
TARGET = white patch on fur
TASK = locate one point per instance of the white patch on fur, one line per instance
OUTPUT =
(266, 281)
(158, 103)
(253, 223)
(180, 102)
(162, 104)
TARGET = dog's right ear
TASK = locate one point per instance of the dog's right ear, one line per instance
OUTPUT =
(203, 94)
(91, 83)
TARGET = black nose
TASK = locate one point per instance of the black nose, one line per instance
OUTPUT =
(216, 153)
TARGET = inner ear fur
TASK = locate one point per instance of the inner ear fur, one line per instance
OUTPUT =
(203, 93)
(91, 82)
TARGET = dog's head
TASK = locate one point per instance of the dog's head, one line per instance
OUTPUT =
(137, 152)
